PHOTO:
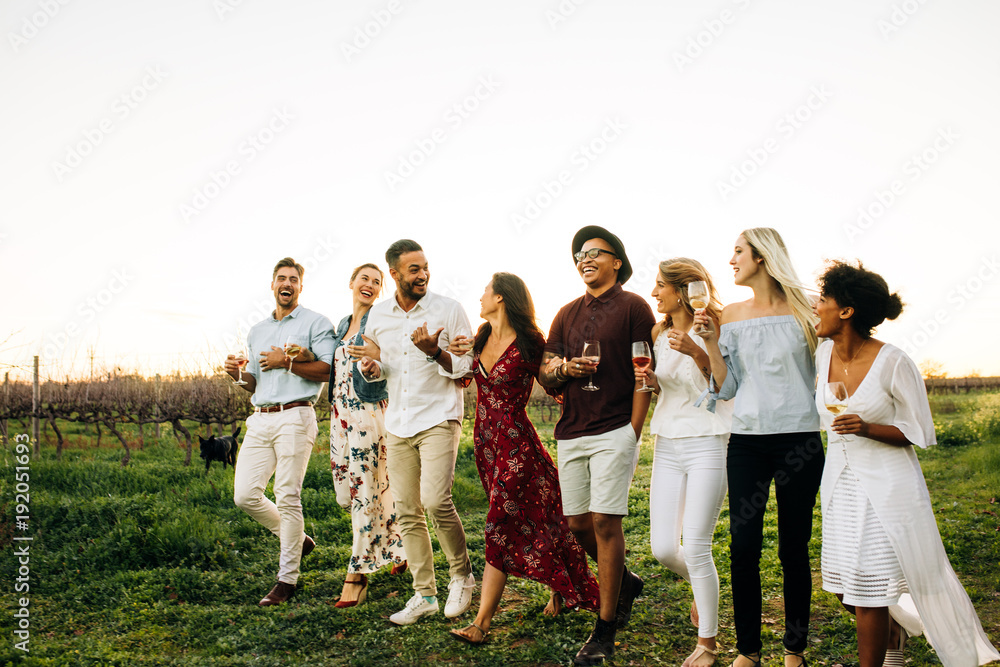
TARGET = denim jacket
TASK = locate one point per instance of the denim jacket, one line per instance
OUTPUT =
(369, 392)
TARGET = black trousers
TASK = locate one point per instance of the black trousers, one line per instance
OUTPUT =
(795, 462)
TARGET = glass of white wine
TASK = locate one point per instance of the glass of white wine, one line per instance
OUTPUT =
(293, 346)
(835, 397)
(591, 350)
(698, 296)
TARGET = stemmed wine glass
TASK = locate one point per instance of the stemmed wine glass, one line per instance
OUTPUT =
(835, 397)
(641, 358)
(241, 361)
(293, 347)
(591, 350)
(698, 296)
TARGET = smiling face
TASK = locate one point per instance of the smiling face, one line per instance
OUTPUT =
(411, 275)
(667, 298)
(366, 286)
(832, 317)
(489, 302)
(744, 264)
(601, 272)
(286, 285)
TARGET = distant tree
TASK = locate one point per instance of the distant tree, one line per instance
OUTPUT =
(932, 370)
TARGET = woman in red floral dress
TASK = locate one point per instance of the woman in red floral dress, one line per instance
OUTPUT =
(526, 532)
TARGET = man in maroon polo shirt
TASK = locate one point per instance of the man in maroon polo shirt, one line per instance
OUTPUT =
(598, 430)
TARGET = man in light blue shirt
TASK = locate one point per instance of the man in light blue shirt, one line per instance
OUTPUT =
(281, 432)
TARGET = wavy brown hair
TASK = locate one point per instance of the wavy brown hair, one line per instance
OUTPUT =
(678, 272)
(520, 313)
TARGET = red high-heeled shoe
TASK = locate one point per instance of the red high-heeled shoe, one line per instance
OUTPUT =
(399, 569)
(341, 604)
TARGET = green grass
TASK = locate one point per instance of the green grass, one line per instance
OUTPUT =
(153, 565)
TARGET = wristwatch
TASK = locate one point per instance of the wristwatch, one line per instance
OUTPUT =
(435, 356)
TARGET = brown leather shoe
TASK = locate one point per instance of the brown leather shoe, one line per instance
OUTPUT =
(281, 592)
(308, 544)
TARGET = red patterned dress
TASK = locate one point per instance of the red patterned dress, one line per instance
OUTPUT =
(526, 533)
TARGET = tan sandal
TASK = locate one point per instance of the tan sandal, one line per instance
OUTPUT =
(699, 651)
(457, 634)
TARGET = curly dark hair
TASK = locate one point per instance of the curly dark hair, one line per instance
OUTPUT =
(863, 290)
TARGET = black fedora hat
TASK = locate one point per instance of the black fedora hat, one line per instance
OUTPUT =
(596, 232)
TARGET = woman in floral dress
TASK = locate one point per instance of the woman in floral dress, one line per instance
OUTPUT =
(526, 532)
(357, 450)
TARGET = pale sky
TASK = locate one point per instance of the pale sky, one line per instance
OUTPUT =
(159, 158)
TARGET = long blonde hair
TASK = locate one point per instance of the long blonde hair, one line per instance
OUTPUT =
(680, 271)
(767, 244)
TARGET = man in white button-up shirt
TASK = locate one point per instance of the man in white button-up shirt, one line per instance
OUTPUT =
(424, 422)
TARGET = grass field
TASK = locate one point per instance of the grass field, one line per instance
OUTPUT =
(152, 564)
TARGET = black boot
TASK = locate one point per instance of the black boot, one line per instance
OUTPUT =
(632, 586)
(600, 646)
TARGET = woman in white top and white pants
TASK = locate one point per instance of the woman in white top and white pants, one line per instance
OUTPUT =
(689, 461)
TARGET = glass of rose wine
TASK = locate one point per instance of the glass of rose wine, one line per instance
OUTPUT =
(835, 397)
(592, 350)
(641, 358)
(292, 349)
(698, 296)
(241, 361)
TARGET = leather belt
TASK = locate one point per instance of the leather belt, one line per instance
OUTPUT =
(286, 406)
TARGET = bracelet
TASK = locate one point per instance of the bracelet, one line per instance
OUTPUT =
(560, 377)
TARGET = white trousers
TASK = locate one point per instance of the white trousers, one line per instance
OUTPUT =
(686, 492)
(279, 444)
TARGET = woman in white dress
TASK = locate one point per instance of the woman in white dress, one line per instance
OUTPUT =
(357, 449)
(689, 458)
(882, 553)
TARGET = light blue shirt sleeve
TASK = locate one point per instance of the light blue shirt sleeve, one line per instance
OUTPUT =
(771, 376)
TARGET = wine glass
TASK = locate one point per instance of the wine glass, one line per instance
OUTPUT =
(835, 397)
(698, 296)
(641, 358)
(591, 350)
(241, 361)
(293, 347)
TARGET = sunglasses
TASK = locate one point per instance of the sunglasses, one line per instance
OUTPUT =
(592, 253)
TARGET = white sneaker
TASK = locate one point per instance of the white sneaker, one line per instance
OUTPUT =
(416, 607)
(459, 595)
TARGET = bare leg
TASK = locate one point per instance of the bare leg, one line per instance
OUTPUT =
(582, 526)
(494, 581)
(610, 561)
(873, 635)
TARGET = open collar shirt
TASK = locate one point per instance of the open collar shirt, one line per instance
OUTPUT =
(421, 393)
(278, 386)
